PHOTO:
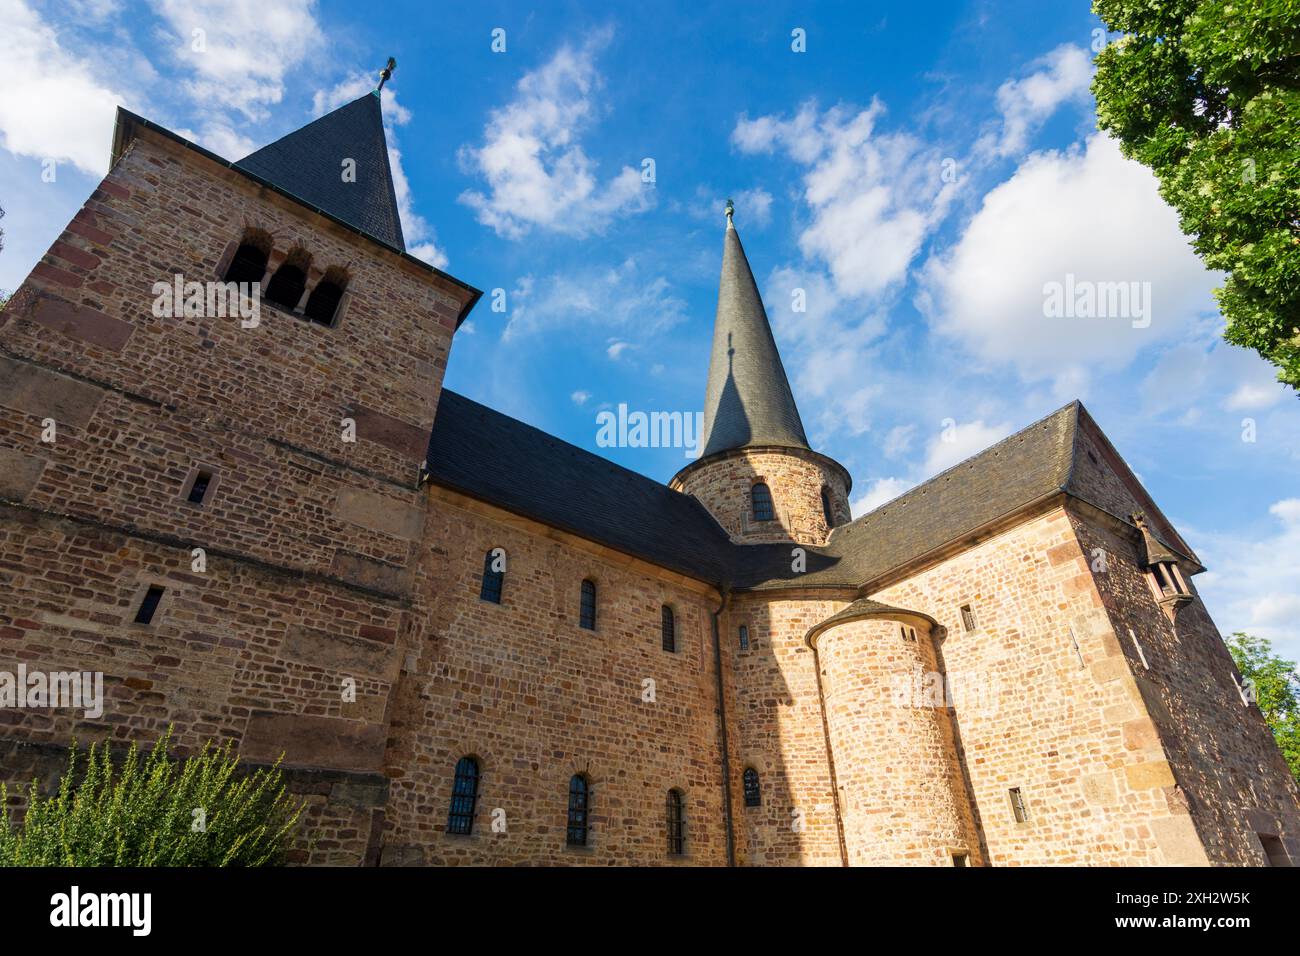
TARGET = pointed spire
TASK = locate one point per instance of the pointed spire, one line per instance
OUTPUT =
(338, 163)
(748, 401)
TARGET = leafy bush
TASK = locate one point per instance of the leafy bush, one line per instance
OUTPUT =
(155, 811)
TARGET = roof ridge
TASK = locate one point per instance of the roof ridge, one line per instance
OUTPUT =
(1073, 404)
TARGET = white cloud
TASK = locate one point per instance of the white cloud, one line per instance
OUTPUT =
(617, 347)
(1205, 372)
(1087, 213)
(538, 174)
(421, 240)
(958, 442)
(898, 441)
(245, 48)
(619, 298)
(874, 196)
(52, 105)
(1025, 104)
(580, 397)
(1252, 583)
(880, 491)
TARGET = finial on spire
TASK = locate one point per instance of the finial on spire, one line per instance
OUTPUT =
(386, 73)
(731, 211)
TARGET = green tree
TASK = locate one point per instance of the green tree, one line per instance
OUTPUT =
(155, 811)
(1207, 93)
(1276, 687)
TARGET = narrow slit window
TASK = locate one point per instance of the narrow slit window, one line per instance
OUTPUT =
(744, 638)
(149, 605)
(967, 618)
(826, 507)
(668, 627)
(579, 802)
(494, 575)
(753, 792)
(587, 610)
(1018, 809)
(960, 858)
(676, 820)
(199, 489)
(761, 498)
(1275, 850)
(464, 796)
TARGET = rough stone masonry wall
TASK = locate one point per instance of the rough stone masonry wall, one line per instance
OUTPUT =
(903, 800)
(776, 727)
(535, 699)
(1068, 727)
(796, 482)
(309, 540)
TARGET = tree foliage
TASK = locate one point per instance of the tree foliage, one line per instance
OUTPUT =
(1276, 687)
(154, 811)
(1207, 93)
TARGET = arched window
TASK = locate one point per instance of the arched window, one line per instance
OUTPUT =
(669, 629)
(579, 803)
(762, 501)
(744, 638)
(290, 280)
(826, 507)
(587, 611)
(464, 795)
(753, 795)
(676, 820)
(324, 300)
(249, 262)
(494, 574)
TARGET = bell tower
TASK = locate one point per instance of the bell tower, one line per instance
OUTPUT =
(757, 474)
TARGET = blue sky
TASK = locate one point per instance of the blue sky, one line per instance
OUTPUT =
(919, 174)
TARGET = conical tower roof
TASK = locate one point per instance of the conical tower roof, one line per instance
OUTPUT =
(748, 401)
(309, 164)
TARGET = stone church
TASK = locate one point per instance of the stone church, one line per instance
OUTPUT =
(474, 643)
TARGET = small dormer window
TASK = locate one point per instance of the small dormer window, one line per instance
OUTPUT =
(1167, 580)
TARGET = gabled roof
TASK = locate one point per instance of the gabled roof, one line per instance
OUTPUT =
(489, 456)
(748, 401)
(309, 164)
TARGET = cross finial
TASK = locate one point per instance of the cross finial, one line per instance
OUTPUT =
(386, 73)
(731, 211)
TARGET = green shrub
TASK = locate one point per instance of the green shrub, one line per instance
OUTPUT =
(154, 811)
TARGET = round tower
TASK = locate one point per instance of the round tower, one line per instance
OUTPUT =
(756, 473)
(902, 793)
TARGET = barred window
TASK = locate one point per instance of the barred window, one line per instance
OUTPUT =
(579, 804)
(744, 638)
(1018, 809)
(761, 498)
(493, 576)
(587, 612)
(967, 618)
(753, 794)
(676, 823)
(464, 795)
(669, 630)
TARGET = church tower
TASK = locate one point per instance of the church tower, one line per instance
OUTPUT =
(756, 473)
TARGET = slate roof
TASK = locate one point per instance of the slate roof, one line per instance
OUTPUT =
(308, 164)
(748, 401)
(490, 456)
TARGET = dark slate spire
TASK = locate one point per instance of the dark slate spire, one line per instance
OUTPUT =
(748, 400)
(309, 164)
